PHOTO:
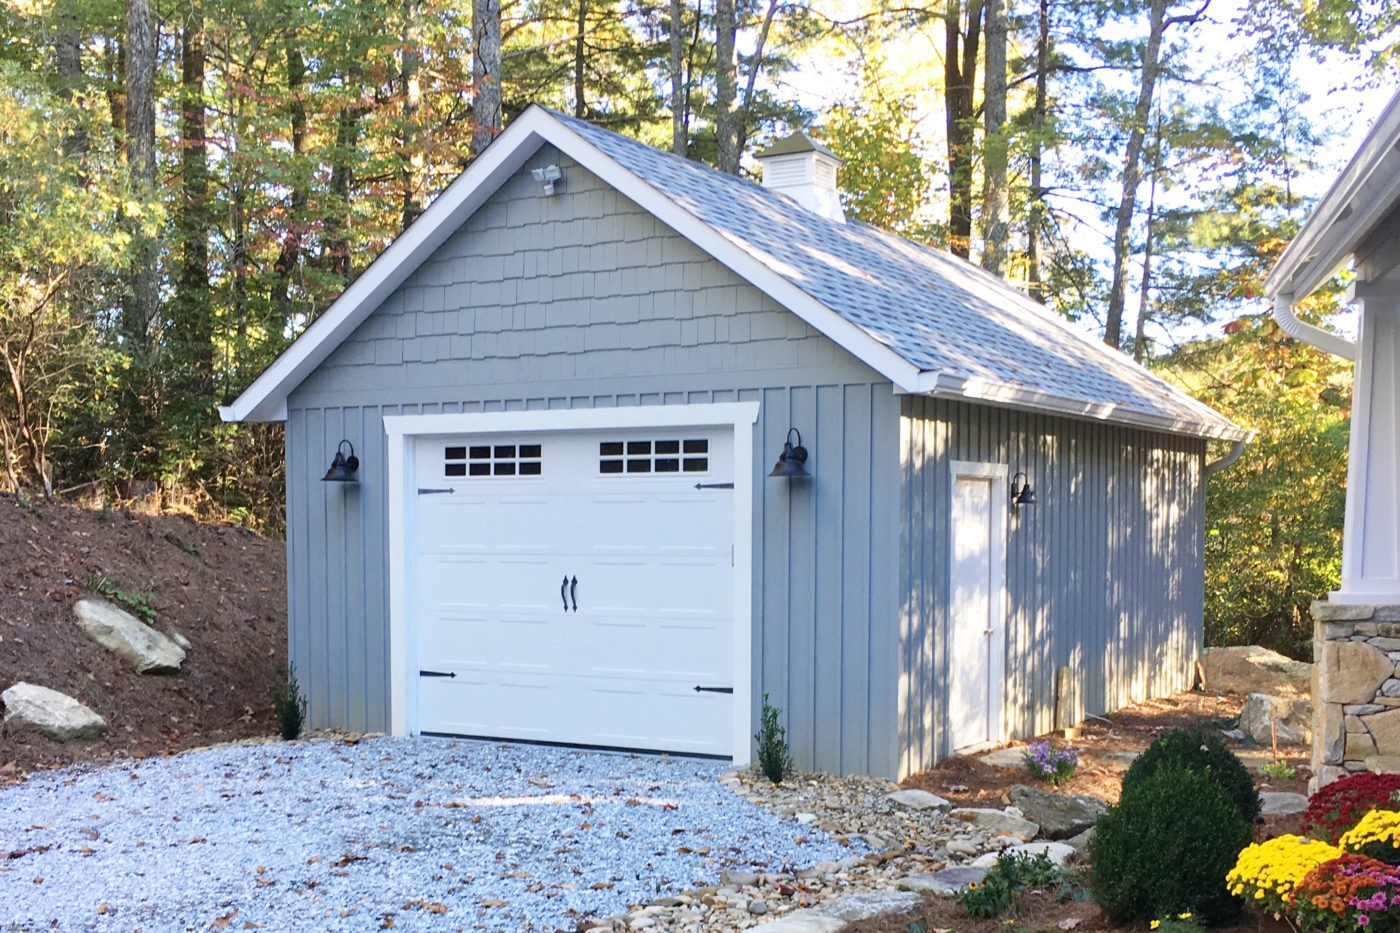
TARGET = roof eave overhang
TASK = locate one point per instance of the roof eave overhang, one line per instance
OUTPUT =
(1361, 197)
(964, 388)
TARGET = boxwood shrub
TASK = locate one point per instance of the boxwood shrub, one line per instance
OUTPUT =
(1202, 752)
(1166, 847)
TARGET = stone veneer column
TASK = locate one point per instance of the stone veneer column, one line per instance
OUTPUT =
(1356, 690)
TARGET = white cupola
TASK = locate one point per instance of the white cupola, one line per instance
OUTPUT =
(805, 171)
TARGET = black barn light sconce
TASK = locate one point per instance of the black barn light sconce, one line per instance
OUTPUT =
(342, 467)
(1022, 494)
(791, 462)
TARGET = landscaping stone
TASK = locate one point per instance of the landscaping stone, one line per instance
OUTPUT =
(128, 637)
(1014, 758)
(1059, 816)
(1281, 803)
(1081, 842)
(1252, 669)
(810, 920)
(1061, 853)
(919, 800)
(1288, 718)
(943, 883)
(867, 904)
(1352, 672)
(60, 717)
(997, 822)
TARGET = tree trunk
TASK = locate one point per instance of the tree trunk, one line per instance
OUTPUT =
(580, 57)
(960, 69)
(141, 301)
(726, 80)
(411, 142)
(335, 256)
(192, 332)
(995, 235)
(678, 95)
(71, 80)
(486, 73)
(1144, 293)
(1132, 173)
(290, 254)
(743, 119)
(1035, 212)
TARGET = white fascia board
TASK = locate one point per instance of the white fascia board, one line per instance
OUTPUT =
(737, 256)
(266, 398)
(1359, 199)
(942, 385)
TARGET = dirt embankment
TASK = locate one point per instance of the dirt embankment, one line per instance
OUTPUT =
(221, 587)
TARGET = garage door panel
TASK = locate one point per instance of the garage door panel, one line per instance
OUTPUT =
(652, 557)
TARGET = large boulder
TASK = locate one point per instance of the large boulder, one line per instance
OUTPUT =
(56, 715)
(1289, 718)
(128, 637)
(1060, 816)
(1252, 669)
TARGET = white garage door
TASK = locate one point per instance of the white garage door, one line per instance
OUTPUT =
(576, 587)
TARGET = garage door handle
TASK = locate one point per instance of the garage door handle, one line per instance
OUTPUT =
(564, 592)
(573, 592)
(437, 674)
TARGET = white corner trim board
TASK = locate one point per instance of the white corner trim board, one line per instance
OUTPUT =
(405, 431)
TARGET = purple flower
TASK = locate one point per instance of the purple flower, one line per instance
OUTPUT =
(1363, 919)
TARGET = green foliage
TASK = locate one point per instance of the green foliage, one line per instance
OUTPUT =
(774, 757)
(1012, 874)
(1165, 848)
(137, 601)
(290, 706)
(1203, 753)
(1274, 519)
(1279, 770)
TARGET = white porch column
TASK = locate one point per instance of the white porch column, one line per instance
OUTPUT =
(1371, 537)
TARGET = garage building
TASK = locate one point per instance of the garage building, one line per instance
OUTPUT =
(567, 387)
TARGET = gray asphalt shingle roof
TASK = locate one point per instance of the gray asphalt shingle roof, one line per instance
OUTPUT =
(942, 314)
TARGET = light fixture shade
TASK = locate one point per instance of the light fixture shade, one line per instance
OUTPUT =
(1021, 491)
(792, 461)
(343, 467)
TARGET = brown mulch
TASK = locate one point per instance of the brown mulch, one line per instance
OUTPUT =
(1105, 744)
(222, 587)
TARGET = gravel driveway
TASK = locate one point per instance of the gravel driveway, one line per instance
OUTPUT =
(408, 833)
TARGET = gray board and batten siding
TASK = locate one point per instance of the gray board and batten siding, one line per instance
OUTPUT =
(1104, 573)
(588, 301)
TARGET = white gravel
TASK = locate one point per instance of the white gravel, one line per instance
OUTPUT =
(404, 833)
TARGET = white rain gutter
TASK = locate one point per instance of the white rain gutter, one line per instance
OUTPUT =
(1230, 459)
(1302, 330)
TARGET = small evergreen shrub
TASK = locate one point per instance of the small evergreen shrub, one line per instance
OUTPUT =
(290, 706)
(1339, 806)
(1166, 847)
(774, 757)
(1204, 753)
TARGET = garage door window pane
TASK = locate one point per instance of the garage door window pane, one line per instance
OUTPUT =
(662, 455)
(483, 460)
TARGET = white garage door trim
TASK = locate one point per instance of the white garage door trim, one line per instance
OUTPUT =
(404, 430)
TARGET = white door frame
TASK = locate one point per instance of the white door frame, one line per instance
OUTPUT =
(996, 598)
(404, 430)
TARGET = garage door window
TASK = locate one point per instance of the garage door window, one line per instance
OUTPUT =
(654, 456)
(482, 460)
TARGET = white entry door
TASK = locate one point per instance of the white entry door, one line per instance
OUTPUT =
(977, 611)
(576, 587)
